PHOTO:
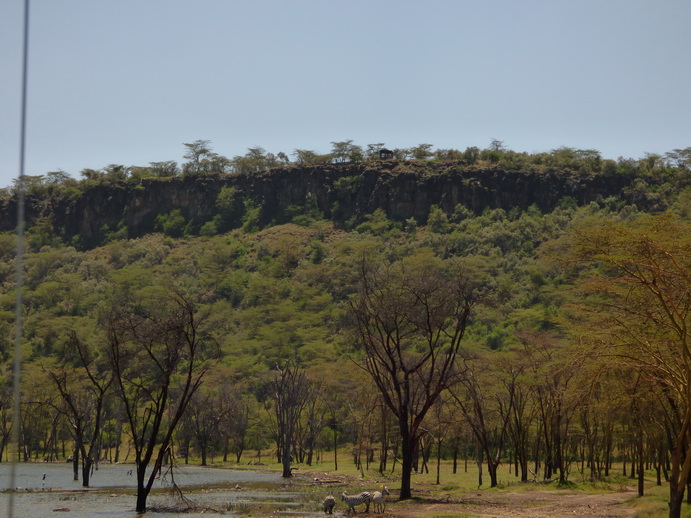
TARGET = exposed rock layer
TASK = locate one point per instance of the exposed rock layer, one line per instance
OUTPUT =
(341, 191)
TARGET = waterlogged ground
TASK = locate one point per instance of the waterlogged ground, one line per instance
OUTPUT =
(47, 490)
(39, 476)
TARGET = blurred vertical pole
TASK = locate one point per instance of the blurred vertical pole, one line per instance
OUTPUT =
(16, 421)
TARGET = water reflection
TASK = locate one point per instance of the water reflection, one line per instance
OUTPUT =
(44, 489)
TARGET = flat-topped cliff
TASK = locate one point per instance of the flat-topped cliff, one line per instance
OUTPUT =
(340, 191)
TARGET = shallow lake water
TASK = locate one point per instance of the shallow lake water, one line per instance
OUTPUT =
(49, 490)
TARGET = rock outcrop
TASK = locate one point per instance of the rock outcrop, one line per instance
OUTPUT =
(340, 191)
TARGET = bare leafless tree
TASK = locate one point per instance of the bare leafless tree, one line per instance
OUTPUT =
(204, 416)
(487, 409)
(157, 353)
(236, 410)
(83, 384)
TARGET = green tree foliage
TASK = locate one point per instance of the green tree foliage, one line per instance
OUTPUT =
(171, 224)
(644, 282)
(346, 151)
(377, 224)
(226, 203)
(256, 160)
(310, 157)
(201, 159)
(250, 220)
(422, 152)
(166, 169)
(280, 289)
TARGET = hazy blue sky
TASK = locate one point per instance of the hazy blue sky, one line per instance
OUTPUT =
(129, 81)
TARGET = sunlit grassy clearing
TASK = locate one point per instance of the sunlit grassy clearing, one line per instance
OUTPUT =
(454, 486)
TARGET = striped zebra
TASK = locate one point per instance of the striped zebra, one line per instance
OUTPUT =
(379, 499)
(359, 499)
(329, 504)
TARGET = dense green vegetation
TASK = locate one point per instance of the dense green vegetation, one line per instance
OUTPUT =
(552, 375)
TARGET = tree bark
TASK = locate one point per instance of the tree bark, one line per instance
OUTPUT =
(86, 470)
(408, 450)
(75, 463)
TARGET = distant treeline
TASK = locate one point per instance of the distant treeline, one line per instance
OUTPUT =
(200, 159)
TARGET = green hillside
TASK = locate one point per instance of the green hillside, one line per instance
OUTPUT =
(554, 373)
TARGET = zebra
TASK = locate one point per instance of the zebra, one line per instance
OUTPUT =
(353, 500)
(379, 500)
(329, 504)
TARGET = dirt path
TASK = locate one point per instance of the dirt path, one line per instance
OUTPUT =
(532, 504)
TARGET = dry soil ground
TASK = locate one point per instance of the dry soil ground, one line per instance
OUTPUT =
(533, 504)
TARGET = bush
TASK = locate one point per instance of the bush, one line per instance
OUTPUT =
(171, 224)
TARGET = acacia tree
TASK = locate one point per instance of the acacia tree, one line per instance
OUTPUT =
(550, 374)
(83, 390)
(204, 417)
(346, 151)
(642, 291)
(522, 415)
(201, 159)
(38, 419)
(315, 420)
(439, 427)
(156, 348)
(410, 317)
(237, 409)
(487, 410)
(290, 390)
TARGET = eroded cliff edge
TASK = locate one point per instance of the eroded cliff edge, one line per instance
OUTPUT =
(342, 192)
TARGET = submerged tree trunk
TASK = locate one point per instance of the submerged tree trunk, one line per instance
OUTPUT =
(142, 493)
(75, 464)
(285, 456)
(87, 463)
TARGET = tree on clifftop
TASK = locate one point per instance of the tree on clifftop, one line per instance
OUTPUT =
(200, 159)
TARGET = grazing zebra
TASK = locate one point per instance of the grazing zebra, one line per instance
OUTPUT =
(329, 504)
(379, 500)
(359, 499)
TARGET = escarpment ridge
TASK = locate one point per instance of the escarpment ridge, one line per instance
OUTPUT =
(341, 192)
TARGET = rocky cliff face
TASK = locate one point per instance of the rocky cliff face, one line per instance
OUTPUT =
(341, 191)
